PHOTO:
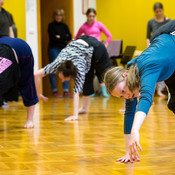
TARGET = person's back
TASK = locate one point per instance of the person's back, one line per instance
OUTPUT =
(21, 48)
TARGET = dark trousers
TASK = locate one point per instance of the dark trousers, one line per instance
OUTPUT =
(100, 63)
(170, 82)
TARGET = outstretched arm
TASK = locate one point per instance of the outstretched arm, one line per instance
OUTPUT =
(38, 77)
(107, 33)
(128, 122)
(135, 137)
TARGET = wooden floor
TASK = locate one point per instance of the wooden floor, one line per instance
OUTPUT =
(89, 146)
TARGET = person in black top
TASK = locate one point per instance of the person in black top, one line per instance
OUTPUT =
(59, 35)
(5, 22)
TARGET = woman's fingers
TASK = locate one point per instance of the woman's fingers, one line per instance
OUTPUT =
(140, 148)
(131, 152)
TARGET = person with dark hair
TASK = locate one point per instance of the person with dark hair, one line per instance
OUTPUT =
(78, 59)
(152, 26)
(16, 73)
(94, 28)
(59, 35)
(156, 63)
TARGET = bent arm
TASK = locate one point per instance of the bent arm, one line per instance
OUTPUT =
(106, 32)
(80, 32)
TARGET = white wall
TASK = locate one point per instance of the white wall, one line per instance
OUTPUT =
(32, 29)
(79, 17)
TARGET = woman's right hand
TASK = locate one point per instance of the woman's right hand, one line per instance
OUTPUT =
(126, 159)
(42, 97)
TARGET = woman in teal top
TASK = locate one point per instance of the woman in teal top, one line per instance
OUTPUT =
(156, 63)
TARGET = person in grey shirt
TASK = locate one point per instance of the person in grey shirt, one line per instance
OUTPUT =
(152, 26)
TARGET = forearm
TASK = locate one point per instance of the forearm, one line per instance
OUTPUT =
(127, 138)
(147, 42)
(138, 120)
(38, 78)
(75, 104)
(107, 33)
(11, 34)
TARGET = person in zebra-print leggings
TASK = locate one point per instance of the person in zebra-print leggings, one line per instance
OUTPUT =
(78, 60)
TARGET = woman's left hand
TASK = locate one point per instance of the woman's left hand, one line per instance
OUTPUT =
(134, 145)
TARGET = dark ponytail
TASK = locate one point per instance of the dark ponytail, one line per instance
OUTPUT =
(68, 69)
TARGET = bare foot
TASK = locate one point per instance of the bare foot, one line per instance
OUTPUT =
(29, 124)
(82, 111)
(71, 118)
(42, 97)
(160, 94)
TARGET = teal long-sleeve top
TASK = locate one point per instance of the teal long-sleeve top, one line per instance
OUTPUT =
(156, 63)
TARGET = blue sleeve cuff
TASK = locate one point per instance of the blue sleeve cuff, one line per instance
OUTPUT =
(129, 115)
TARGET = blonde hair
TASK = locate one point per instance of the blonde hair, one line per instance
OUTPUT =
(59, 10)
(114, 75)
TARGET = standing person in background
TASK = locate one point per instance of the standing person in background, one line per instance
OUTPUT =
(152, 26)
(59, 35)
(94, 28)
(5, 22)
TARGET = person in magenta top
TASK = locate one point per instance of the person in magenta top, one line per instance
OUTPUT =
(94, 28)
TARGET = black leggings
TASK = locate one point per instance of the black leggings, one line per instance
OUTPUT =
(170, 82)
(100, 63)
